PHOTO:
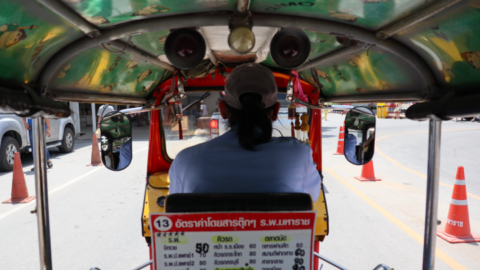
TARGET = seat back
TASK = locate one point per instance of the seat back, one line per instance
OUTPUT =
(238, 202)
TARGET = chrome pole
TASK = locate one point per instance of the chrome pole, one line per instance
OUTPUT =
(434, 132)
(329, 261)
(42, 194)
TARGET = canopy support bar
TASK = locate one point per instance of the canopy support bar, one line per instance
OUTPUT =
(71, 16)
(78, 21)
(140, 54)
(210, 53)
(41, 189)
(243, 6)
(417, 17)
(59, 60)
(96, 98)
(329, 261)
(334, 28)
(434, 134)
(397, 97)
(342, 52)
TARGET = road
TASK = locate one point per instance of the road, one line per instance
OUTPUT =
(95, 213)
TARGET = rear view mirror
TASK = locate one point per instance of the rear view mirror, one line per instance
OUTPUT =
(116, 141)
(359, 135)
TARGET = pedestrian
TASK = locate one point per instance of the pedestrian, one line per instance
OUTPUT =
(475, 118)
(325, 113)
(28, 125)
(138, 119)
(102, 111)
(203, 109)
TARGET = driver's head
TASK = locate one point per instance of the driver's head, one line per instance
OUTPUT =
(250, 102)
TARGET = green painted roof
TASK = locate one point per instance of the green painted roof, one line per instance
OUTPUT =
(31, 35)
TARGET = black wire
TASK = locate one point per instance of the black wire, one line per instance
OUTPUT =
(278, 131)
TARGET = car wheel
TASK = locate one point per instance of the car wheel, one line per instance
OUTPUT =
(7, 153)
(68, 141)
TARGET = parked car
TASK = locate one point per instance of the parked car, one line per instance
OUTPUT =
(14, 138)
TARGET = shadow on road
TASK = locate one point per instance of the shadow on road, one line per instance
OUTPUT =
(55, 154)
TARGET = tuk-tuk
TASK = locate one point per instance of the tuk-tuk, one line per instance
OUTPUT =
(164, 57)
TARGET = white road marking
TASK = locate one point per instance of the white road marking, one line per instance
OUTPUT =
(18, 208)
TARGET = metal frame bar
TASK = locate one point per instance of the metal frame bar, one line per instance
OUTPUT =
(60, 59)
(143, 265)
(396, 96)
(96, 98)
(417, 64)
(210, 53)
(140, 54)
(329, 261)
(91, 31)
(71, 16)
(434, 137)
(326, 58)
(417, 17)
(394, 47)
(41, 189)
(264, 50)
(243, 5)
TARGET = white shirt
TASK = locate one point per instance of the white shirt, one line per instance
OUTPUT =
(102, 112)
(283, 165)
(203, 108)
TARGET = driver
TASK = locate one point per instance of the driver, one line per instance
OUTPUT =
(247, 159)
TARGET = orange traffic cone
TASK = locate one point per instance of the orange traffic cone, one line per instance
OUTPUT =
(368, 174)
(96, 159)
(457, 229)
(19, 187)
(340, 145)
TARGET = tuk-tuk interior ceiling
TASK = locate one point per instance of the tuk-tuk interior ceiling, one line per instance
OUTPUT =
(30, 35)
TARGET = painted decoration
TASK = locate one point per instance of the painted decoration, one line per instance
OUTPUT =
(103, 71)
(371, 14)
(370, 71)
(29, 36)
(450, 43)
(105, 13)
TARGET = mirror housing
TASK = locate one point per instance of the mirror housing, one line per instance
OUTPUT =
(359, 142)
(116, 141)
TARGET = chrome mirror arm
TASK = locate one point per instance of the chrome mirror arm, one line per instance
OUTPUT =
(329, 261)
(320, 107)
(136, 268)
(290, 95)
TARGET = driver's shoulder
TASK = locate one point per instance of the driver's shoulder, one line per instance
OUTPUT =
(289, 142)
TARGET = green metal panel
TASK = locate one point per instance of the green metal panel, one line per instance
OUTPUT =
(450, 42)
(105, 72)
(370, 71)
(104, 13)
(29, 36)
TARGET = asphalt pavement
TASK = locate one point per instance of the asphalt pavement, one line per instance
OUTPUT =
(95, 213)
